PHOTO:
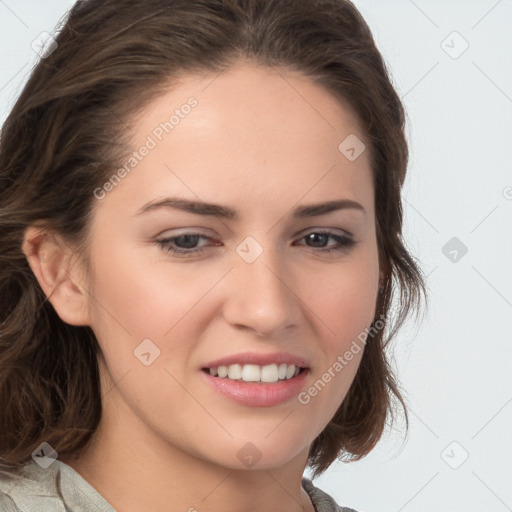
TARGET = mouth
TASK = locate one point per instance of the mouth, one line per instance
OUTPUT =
(253, 385)
(253, 373)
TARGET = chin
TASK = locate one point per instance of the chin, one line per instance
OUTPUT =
(259, 453)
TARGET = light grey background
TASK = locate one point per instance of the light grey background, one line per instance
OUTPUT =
(454, 366)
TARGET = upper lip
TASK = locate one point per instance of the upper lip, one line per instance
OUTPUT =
(259, 359)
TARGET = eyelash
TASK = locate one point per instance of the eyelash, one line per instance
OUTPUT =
(344, 243)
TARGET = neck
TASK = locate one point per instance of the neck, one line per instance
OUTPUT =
(122, 459)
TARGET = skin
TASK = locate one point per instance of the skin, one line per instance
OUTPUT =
(261, 141)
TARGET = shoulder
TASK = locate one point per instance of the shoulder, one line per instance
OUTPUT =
(322, 501)
(20, 488)
(56, 488)
(7, 504)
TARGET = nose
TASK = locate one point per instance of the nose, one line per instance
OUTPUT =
(261, 296)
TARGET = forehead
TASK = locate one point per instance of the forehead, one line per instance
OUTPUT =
(247, 92)
(266, 134)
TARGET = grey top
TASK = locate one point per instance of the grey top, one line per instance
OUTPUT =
(59, 488)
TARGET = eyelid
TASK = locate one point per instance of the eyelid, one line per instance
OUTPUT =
(335, 231)
(213, 234)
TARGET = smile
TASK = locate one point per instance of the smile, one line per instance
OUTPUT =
(255, 373)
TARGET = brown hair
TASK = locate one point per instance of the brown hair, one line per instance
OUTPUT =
(68, 130)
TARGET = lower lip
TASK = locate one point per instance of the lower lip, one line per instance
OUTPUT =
(258, 394)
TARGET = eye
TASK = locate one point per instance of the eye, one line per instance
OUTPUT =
(320, 238)
(187, 241)
(186, 244)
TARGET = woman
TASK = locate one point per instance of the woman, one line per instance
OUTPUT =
(201, 239)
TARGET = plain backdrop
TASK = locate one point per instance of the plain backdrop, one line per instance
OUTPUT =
(451, 62)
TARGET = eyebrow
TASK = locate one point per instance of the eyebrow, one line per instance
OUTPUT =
(224, 212)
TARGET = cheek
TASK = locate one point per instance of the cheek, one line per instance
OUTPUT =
(137, 300)
(344, 302)
(142, 297)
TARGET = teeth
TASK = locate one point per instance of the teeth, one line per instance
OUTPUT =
(290, 371)
(234, 371)
(269, 373)
(256, 373)
(250, 373)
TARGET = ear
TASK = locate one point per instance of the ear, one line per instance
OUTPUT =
(54, 266)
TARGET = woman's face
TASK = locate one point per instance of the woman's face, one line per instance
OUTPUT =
(263, 146)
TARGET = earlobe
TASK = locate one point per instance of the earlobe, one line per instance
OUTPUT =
(53, 265)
